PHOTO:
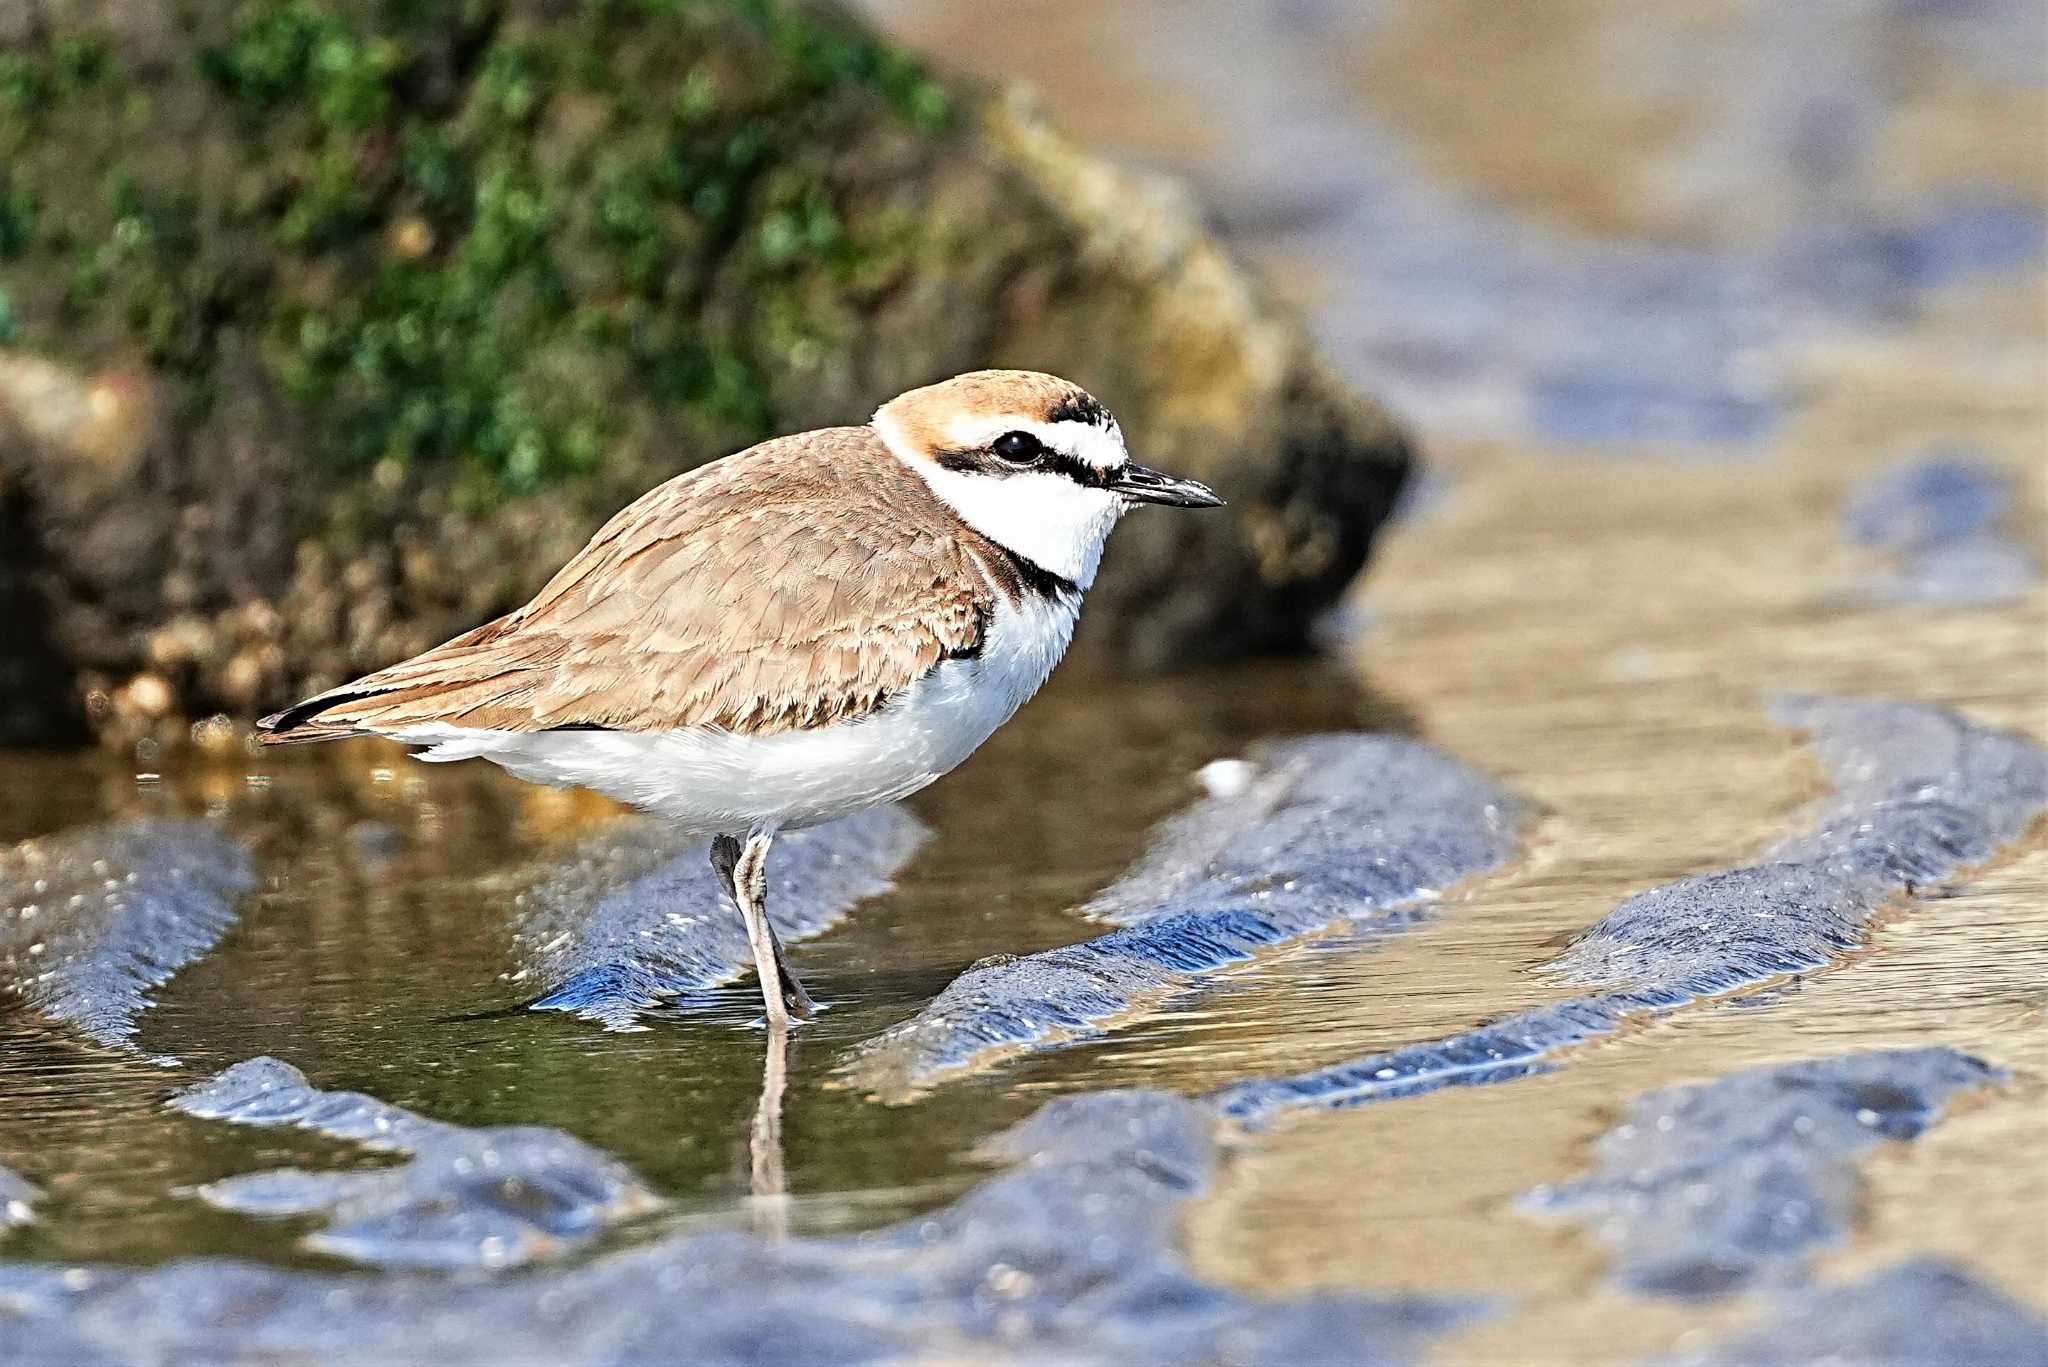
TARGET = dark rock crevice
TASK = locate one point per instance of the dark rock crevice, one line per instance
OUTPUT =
(39, 704)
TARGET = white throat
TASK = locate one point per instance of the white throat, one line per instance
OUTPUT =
(1046, 518)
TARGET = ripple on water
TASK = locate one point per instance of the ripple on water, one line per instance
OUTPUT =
(1705, 1189)
(1304, 835)
(1920, 1311)
(636, 917)
(1066, 1257)
(468, 1198)
(1921, 794)
(92, 919)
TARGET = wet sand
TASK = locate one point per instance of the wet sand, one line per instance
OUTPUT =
(1600, 626)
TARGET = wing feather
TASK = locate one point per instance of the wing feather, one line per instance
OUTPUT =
(802, 582)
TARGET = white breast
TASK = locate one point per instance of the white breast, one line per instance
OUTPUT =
(713, 782)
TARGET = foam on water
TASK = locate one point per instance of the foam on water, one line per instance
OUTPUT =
(469, 1198)
(1921, 794)
(1705, 1189)
(1302, 836)
(636, 917)
(1066, 1257)
(92, 919)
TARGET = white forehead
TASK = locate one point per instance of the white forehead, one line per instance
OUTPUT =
(1101, 447)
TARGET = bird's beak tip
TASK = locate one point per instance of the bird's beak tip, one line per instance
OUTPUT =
(1139, 484)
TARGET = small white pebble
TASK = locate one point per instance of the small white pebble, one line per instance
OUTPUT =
(1226, 777)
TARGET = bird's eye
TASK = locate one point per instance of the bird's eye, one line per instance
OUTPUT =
(1017, 448)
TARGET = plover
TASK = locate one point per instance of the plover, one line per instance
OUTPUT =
(810, 627)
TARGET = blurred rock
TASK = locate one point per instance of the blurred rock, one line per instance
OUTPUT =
(369, 314)
(142, 540)
(38, 695)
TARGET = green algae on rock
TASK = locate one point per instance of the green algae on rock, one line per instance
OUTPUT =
(408, 297)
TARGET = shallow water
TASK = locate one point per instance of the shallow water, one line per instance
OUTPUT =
(378, 954)
(1630, 547)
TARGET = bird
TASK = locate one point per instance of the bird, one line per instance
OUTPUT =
(790, 634)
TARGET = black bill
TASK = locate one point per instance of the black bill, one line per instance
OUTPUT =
(1141, 485)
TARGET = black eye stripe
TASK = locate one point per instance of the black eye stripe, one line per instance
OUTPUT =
(1076, 469)
(969, 460)
(966, 461)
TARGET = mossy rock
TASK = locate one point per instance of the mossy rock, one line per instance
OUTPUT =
(380, 306)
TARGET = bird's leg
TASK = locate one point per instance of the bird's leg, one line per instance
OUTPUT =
(729, 859)
(756, 869)
(743, 870)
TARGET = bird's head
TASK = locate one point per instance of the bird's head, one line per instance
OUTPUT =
(1031, 461)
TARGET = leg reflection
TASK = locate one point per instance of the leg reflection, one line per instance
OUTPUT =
(770, 1185)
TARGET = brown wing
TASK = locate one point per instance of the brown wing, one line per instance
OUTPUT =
(796, 584)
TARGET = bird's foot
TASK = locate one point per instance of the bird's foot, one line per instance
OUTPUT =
(796, 999)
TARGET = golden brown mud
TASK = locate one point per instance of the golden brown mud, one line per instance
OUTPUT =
(1601, 629)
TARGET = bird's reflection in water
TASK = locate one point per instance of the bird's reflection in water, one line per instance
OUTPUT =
(769, 1183)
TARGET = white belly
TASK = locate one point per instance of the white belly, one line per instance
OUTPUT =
(712, 782)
